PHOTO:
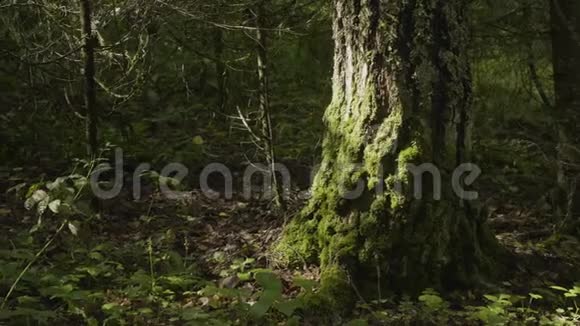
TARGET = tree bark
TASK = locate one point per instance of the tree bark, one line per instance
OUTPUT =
(220, 69)
(264, 100)
(565, 17)
(401, 95)
(529, 18)
(89, 44)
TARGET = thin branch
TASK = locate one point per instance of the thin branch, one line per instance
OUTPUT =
(220, 25)
(247, 125)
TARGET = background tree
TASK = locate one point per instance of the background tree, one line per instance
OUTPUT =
(267, 134)
(565, 17)
(89, 44)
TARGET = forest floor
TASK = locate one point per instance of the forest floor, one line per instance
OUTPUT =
(196, 261)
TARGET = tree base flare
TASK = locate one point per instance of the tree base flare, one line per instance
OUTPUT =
(437, 245)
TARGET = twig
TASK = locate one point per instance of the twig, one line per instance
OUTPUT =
(38, 254)
(245, 122)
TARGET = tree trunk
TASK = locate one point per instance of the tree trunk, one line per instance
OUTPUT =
(530, 29)
(264, 99)
(565, 16)
(220, 69)
(89, 43)
(401, 95)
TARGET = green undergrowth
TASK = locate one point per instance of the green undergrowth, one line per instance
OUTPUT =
(66, 267)
(145, 283)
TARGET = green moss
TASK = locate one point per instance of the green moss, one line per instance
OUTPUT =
(384, 142)
(334, 298)
(336, 289)
(408, 155)
(299, 243)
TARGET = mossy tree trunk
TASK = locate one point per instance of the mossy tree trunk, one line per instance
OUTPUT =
(401, 95)
(565, 16)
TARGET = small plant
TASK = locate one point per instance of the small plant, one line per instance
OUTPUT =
(432, 301)
(240, 268)
(271, 295)
(436, 308)
(497, 312)
(65, 198)
(569, 315)
(60, 198)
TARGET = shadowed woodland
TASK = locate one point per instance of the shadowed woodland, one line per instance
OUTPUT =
(289, 162)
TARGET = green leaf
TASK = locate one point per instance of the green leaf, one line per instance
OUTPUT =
(96, 255)
(73, 228)
(110, 306)
(56, 183)
(559, 288)
(432, 301)
(16, 189)
(294, 321)
(91, 270)
(54, 206)
(304, 283)
(29, 203)
(194, 314)
(169, 182)
(269, 281)
(179, 281)
(39, 195)
(25, 299)
(60, 291)
(42, 205)
(267, 298)
(272, 292)
(197, 140)
(39, 198)
(536, 296)
(145, 311)
(288, 307)
(244, 276)
(491, 298)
